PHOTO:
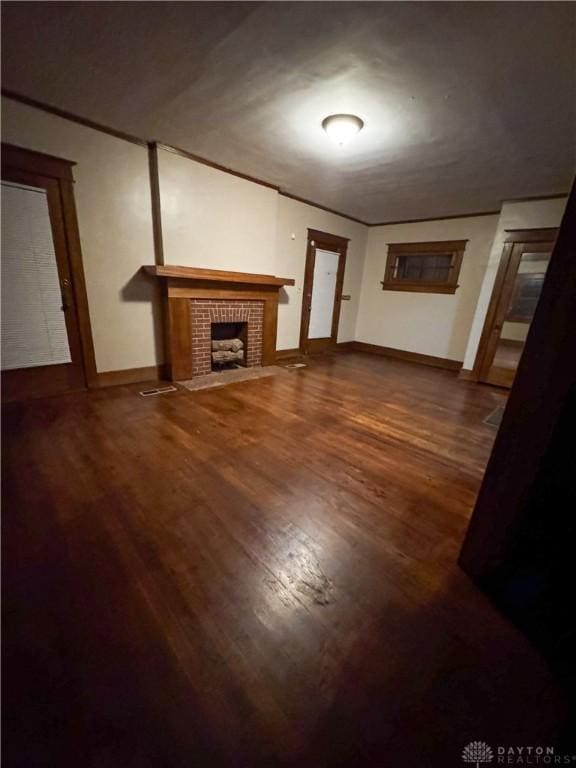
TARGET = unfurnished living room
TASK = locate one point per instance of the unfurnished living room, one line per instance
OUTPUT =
(288, 384)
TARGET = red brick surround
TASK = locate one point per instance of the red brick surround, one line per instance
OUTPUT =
(204, 312)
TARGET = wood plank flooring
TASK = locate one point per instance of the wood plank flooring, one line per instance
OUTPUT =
(260, 575)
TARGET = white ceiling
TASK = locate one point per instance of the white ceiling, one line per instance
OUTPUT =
(465, 104)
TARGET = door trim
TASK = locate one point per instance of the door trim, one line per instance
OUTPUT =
(17, 159)
(514, 237)
(328, 242)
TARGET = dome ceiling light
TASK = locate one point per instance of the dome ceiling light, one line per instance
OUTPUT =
(342, 128)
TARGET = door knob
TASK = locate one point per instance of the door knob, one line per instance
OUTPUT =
(66, 295)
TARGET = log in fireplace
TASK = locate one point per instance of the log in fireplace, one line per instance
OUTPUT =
(229, 343)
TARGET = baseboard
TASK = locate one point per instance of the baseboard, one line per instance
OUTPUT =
(286, 354)
(467, 375)
(345, 346)
(131, 376)
(402, 354)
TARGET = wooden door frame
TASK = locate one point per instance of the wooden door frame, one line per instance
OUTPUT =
(18, 159)
(323, 241)
(514, 239)
(540, 399)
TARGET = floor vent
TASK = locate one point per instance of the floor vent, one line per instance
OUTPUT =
(296, 365)
(157, 391)
(495, 418)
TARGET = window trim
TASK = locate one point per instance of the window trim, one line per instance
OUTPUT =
(455, 248)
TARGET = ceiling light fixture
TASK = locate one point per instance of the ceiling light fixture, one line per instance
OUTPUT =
(342, 128)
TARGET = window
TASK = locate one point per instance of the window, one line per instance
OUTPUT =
(426, 267)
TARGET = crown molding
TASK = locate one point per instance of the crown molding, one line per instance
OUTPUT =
(137, 140)
(73, 118)
(323, 208)
(212, 164)
(437, 218)
(533, 198)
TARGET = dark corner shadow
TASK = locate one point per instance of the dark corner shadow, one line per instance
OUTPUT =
(534, 586)
(413, 688)
(283, 296)
(142, 288)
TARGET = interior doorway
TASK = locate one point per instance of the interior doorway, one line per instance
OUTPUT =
(46, 338)
(322, 296)
(517, 288)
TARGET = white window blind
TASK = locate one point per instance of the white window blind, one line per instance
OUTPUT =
(33, 326)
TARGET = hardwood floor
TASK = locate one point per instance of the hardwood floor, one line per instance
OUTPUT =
(261, 575)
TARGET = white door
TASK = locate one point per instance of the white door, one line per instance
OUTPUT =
(323, 294)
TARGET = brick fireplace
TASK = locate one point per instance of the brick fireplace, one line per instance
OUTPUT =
(205, 312)
(197, 298)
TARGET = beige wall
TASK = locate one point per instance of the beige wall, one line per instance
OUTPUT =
(530, 214)
(112, 192)
(294, 220)
(426, 323)
(215, 220)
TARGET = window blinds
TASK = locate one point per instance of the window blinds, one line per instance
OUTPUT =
(33, 329)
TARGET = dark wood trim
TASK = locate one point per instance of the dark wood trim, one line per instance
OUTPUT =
(287, 354)
(345, 346)
(323, 208)
(532, 198)
(87, 123)
(334, 241)
(547, 235)
(78, 281)
(430, 246)
(437, 218)
(56, 173)
(329, 242)
(215, 275)
(216, 166)
(419, 287)
(179, 335)
(470, 215)
(28, 160)
(247, 177)
(156, 203)
(513, 343)
(515, 238)
(534, 442)
(454, 248)
(402, 354)
(131, 376)
(169, 148)
(467, 375)
(491, 312)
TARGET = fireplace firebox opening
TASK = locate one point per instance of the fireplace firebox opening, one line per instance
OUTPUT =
(228, 345)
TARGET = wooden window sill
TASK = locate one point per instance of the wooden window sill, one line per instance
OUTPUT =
(418, 287)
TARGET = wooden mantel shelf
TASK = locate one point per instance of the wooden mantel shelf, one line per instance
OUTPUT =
(216, 275)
